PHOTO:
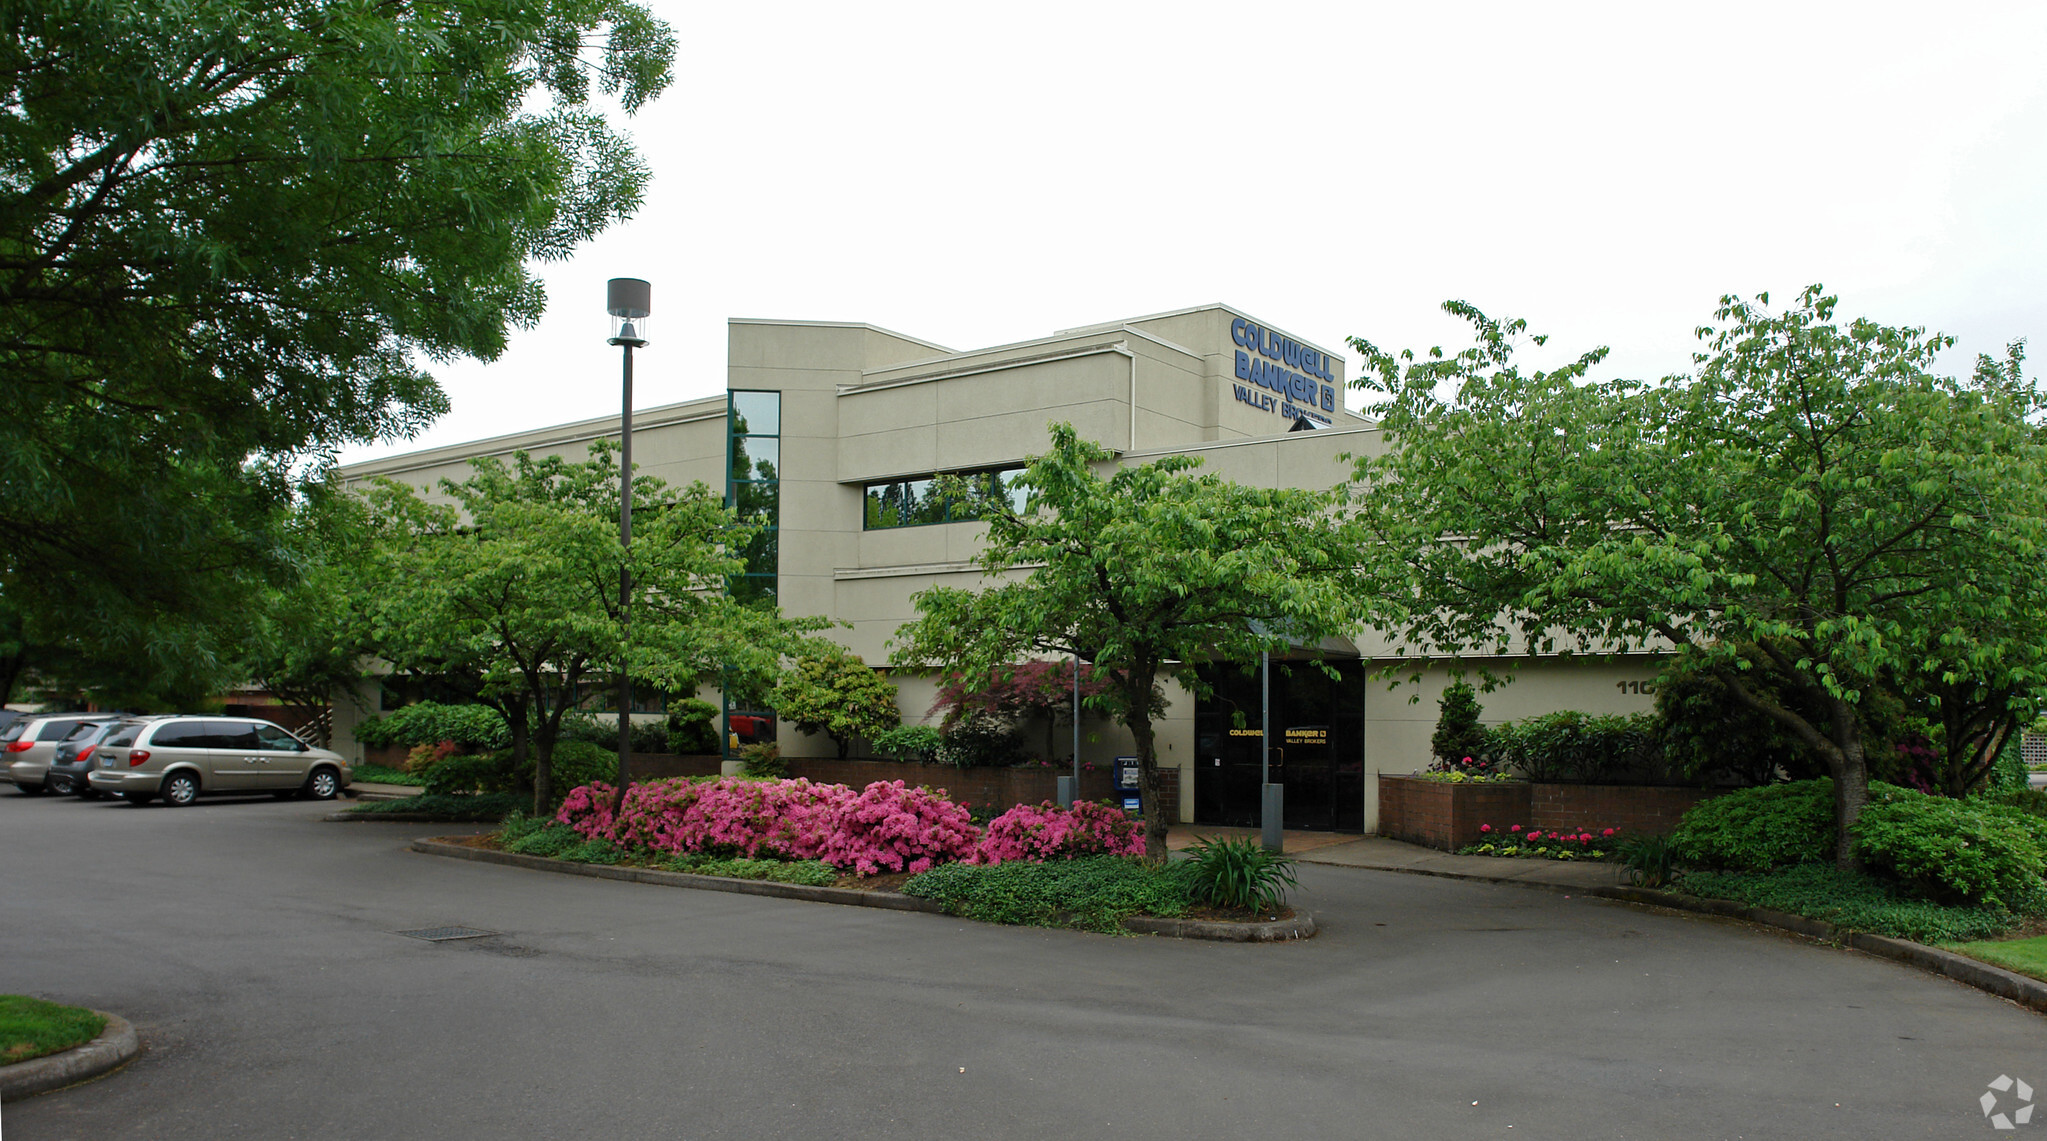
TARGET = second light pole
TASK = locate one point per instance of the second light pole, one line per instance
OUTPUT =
(629, 300)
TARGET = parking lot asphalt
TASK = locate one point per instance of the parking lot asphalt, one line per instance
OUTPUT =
(255, 949)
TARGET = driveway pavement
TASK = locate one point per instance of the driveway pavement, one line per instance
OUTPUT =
(254, 949)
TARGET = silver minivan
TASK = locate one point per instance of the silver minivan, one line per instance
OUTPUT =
(28, 745)
(184, 758)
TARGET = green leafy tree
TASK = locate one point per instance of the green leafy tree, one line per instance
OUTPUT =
(1812, 495)
(231, 237)
(1151, 567)
(516, 585)
(839, 695)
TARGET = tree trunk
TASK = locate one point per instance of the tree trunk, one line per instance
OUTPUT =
(1851, 783)
(1139, 720)
(543, 774)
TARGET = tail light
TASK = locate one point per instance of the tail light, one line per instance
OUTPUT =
(21, 746)
(137, 757)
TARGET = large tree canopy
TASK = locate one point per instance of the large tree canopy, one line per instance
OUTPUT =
(1813, 502)
(1149, 568)
(515, 589)
(230, 232)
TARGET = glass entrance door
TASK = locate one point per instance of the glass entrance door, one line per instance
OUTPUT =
(1317, 747)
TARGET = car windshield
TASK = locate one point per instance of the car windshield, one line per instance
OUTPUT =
(125, 734)
(13, 732)
(86, 731)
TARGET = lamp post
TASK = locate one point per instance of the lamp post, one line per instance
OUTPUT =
(1069, 787)
(628, 300)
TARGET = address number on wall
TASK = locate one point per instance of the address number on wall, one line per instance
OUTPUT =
(1645, 688)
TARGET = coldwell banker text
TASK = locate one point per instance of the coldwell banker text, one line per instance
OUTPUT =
(1293, 394)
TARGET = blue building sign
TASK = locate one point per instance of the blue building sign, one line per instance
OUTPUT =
(1297, 381)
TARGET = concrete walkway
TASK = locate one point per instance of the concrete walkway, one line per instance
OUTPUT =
(1381, 854)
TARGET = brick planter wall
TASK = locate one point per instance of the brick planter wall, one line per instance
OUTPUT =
(1447, 816)
(1630, 808)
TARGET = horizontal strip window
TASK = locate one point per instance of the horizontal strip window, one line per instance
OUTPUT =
(917, 502)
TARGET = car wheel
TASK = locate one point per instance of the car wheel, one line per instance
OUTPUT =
(63, 786)
(180, 789)
(322, 785)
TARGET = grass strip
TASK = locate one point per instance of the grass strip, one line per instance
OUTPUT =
(2026, 956)
(31, 1028)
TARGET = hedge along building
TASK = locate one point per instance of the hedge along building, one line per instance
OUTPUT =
(832, 435)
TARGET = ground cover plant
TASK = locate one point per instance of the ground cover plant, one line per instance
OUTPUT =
(1093, 893)
(1850, 900)
(378, 774)
(31, 1027)
(483, 807)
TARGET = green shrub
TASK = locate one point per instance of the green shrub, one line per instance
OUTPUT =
(577, 725)
(430, 723)
(693, 727)
(1849, 900)
(913, 743)
(1240, 872)
(1953, 850)
(454, 775)
(982, 741)
(1459, 734)
(1572, 746)
(1713, 737)
(648, 737)
(2030, 802)
(763, 759)
(1755, 829)
(1094, 893)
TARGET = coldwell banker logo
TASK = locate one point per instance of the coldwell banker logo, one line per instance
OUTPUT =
(1291, 373)
(2007, 1093)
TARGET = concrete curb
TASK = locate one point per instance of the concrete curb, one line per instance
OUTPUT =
(1301, 926)
(345, 816)
(2021, 989)
(115, 1047)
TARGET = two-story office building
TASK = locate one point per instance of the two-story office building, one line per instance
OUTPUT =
(832, 434)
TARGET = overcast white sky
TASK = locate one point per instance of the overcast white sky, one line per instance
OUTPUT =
(979, 174)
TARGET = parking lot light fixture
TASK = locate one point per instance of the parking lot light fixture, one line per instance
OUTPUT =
(629, 300)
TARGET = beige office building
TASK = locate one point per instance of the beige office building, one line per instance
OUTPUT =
(833, 431)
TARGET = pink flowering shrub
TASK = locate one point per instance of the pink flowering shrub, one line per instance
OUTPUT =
(1040, 832)
(891, 828)
(887, 828)
(788, 819)
(587, 809)
(1558, 844)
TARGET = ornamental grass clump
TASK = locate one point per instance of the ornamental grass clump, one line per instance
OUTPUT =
(1239, 872)
(1045, 831)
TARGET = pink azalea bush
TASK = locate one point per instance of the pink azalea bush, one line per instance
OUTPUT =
(893, 828)
(887, 828)
(1040, 832)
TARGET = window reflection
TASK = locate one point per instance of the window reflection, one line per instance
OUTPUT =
(969, 496)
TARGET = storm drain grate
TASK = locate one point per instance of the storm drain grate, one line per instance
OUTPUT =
(443, 934)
